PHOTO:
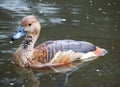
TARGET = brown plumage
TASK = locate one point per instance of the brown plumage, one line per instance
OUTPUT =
(58, 52)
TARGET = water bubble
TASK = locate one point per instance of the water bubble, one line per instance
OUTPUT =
(63, 19)
(11, 42)
(87, 17)
(40, 11)
(97, 70)
(91, 1)
(118, 12)
(109, 4)
(11, 83)
(92, 23)
(104, 12)
(23, 86)
(112, 47)
(100, 9)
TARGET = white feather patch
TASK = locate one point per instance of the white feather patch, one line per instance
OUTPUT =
(66, 56)
(88, 57)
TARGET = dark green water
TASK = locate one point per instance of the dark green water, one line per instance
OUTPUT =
(96, 21)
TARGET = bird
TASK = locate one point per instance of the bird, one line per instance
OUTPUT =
(52, 52)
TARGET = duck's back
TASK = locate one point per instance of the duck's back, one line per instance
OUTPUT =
(47, 50)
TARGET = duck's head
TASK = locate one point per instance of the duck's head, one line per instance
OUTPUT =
(29, 25)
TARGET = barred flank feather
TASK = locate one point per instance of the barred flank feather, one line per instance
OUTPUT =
(63, 50)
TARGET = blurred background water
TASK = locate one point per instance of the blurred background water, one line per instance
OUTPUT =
(96, 21)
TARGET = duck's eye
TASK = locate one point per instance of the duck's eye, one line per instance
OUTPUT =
(30, 24)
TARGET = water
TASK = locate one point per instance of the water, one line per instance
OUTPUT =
(94, 21)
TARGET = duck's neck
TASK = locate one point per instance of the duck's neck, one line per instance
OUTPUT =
(28, 42)
(24, 53)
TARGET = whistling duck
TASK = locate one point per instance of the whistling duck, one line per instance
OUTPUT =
(57, 52)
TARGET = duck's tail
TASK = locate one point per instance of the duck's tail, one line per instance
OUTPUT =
(94, 54)
(100, 51)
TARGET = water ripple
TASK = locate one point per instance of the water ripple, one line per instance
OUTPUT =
(16, 6)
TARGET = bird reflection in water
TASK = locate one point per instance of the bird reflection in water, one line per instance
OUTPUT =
(32, 76)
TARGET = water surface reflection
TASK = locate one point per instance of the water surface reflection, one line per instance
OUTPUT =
(90, 20)
(55, 77)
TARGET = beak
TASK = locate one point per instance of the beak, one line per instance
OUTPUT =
(19, 34)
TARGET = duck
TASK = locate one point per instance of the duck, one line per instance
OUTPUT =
(52, 52)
